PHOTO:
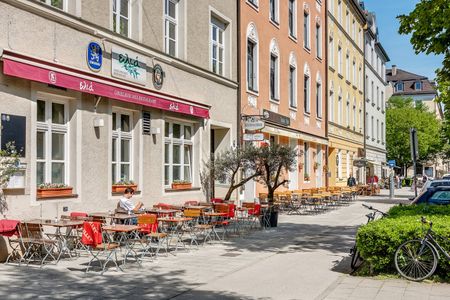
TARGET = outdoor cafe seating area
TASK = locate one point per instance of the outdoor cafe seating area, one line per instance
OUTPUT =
(113, 240)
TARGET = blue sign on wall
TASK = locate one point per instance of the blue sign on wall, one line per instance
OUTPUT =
(94, 56)
(391, 163)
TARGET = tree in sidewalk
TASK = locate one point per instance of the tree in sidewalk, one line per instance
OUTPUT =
(9, 160)
(234, 166)
(401, 115)
(429, 25)
(274, 162)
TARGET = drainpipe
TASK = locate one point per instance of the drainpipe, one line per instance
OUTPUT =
(238, 60)
(327, 183)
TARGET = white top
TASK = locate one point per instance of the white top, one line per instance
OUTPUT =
(126, 204)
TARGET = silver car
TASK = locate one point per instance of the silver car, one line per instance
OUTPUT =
(435, 183)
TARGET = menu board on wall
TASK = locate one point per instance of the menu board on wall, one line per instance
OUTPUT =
(128, 65)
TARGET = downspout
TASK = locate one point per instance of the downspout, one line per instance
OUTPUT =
(364, 175)
(238, 60)
(326, 92)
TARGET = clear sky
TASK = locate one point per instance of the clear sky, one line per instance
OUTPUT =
(397, 46)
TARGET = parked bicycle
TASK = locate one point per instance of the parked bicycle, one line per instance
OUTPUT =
(356, 258)
(417, 259)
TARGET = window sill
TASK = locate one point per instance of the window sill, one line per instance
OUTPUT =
(169, 190)
(340, 75)
(274, 23)
(293, 38)
(274, 100)
(307, 114)
(293, 108)
(355, 87)
(252, 92)
(253, 5)
(332, 69)
(319, 58)
(307, 49)
(347, 82)
(57, 197)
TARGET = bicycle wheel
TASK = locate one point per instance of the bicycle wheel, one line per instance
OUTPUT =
(356, 258)
(415, 260)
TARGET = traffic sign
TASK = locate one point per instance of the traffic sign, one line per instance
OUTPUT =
(253, 137)
(391, 163)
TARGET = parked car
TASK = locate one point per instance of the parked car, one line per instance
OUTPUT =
(435, 195)
(435, 183)
(446, 177)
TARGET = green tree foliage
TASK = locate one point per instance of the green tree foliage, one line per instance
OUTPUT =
(429, 25)
(402, 115)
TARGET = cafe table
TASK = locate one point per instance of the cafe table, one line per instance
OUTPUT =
(163, 212)
(173, 226)
(215, 218)
(62, 238)
(125, 235)
(114, 217)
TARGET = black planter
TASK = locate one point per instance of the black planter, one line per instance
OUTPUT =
(273, 219)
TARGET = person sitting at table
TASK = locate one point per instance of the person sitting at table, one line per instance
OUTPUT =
(126, 203)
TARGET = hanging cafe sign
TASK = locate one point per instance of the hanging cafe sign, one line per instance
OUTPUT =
(253, 124)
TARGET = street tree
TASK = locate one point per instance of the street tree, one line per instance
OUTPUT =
(274, 162)
(401, 115)
(428, 24)
(9, 160)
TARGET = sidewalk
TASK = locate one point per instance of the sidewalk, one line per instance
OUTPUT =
(306, 257)
(402, 195)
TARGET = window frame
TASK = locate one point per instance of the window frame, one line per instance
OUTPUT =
(307, 93)
(274, 15)
(399, 83)
(182, 142)
(254, 70)
(306, 30)
(167, 20)
(292, 18)
(118, 16)
(292, 86)
(318, 41)
(49, 3)
(49, 128)
(119, 135)
(420, 85)
(319, 99)
(340, 60)
(220, 46)
(306, 161)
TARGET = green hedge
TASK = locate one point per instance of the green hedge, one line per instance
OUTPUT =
(378, 241)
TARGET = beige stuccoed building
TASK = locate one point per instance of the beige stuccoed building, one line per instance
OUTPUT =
(159, 99)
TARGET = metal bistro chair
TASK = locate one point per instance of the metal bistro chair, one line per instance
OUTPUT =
(195, 229)
(36, 246)
(148, 224)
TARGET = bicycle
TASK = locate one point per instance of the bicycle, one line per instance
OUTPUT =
(417, 259)
(356, 258)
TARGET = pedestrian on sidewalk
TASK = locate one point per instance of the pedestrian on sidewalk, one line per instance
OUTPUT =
(351, 181)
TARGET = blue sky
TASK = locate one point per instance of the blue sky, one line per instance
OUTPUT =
(397, 46)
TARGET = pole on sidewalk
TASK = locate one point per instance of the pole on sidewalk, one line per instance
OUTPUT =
(391, 184)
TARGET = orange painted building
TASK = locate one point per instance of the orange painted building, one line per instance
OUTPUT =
(283, 76)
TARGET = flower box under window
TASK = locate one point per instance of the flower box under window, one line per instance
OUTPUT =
(53, 190)
(181, 185)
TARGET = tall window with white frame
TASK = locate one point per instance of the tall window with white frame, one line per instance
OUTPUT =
(251, 66)
(372, 93)
(121, 17)
(354, 73)
(273, 8)
(292, 18)
(378, 97)
(354, 113)
(339, 60)
(122, 141)
(55, 3)
(170, 26)
(217, 46)
(382, 101)
(318, 41)
(331, 52)
(51, 142)
(347, 158)
(347, 66)
(382, 133)
(347, 112)
(339, 164)
(292, 87)
(347, 22)
(306, 30)
(319, 100)
(177, 152)
(339, 118)
(340, 11)
(378, 131)
(306, 161)
(331, 106)
(372, 127)
(360, 118)
(273, 77)
(306, 93)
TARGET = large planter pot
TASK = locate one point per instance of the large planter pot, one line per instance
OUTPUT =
(122, 188)
(273, 219)
(54, 192)
(181, 186)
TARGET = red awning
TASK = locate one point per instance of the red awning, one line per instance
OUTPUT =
(82, 83)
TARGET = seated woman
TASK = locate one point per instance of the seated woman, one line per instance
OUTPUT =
(126, 203)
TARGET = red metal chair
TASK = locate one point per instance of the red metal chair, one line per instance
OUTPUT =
(216, 200)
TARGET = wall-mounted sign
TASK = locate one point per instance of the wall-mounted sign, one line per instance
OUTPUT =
(158, 77)
(253, 124)
(94, 56)
(128, 65)
(276, 118)
(391, 163)
(253, 137)
(360, 162)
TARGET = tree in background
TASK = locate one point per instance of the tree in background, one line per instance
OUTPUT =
(429, 25)
(401, 115)
(9, 160)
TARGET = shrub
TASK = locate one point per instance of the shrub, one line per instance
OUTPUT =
(378, 241)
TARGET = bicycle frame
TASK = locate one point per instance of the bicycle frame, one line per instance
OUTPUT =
(430, 239)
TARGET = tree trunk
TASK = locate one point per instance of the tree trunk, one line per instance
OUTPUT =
(229, 192)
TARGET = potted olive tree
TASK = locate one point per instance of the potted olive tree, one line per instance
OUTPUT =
(9, 161)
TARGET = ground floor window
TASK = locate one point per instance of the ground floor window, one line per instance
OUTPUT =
(178, 149)
(122, 142)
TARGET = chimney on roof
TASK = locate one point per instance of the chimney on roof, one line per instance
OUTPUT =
(394, 70)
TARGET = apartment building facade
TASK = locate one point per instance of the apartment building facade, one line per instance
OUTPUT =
(283, 81)
(98, 92)
(375, 97)
(345, 94)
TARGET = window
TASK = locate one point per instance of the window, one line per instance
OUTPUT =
(360, 120)
(354, 113)
(347, 21)
(273, 6)
(292, 18)
(371, 55)
(339, 60)
(251, 66)
(340, 11)
(177, 152)
(217, 45)
(121, 17)
(331, 52)
(306, 93)
(347, 158)
(378, 97)
(273, 77)
(292, 87)
(306, 30)
(170, 26)
(382, 132)
(331, 6)
(254, 2)
(319, 100)
(354, 30)
(122, 142)
(367, 125)
(372, 93)
(372, 133)
(367, 87)
(382, 101)
(399, 86)
(318, 41)
(354, 73)
(378, 131)
(347, 66)
(360, 76)
(339, 164)
(51, 142)
(331, 106)
(339, 109)
(306, 158)
(418, 85)
(55, 3)
(347, 112)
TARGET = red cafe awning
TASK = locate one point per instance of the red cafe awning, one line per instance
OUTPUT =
(85, 84)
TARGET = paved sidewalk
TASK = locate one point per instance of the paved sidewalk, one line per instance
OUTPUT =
(306, 257)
